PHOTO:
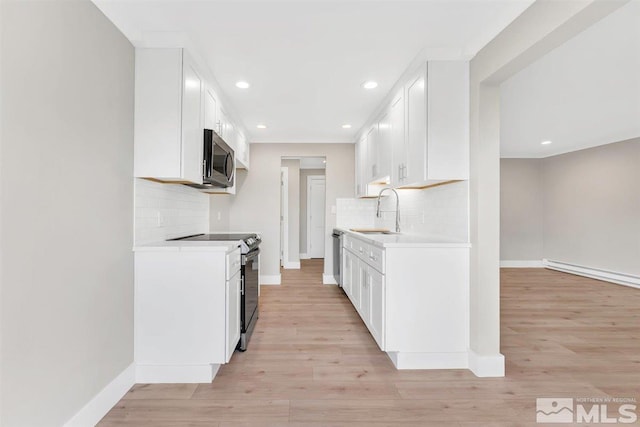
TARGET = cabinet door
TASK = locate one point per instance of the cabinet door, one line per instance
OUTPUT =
(355, 282)
(377, 313)
(371, 167)
(210, 109)
(416, 127)
(398, 144)
(365, 292)
(233, 314)
(347, 268)
(383, 146)
(361, 160)
(192, 129)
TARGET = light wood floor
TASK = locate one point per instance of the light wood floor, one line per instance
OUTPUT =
(311, 361)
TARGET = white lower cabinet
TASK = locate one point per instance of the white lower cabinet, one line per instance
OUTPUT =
(233, 315)
(413, 300)
(187, 313)
(376, 312)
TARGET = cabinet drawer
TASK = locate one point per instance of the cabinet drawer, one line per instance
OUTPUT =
(233, 263)
(375, 258)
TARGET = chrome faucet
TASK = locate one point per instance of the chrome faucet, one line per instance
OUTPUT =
(379, 215)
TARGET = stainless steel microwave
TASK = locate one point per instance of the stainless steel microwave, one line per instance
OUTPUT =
(218, 164)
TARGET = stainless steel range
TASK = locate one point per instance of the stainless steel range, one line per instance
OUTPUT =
(250, 250)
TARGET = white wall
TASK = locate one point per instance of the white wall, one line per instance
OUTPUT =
(521, 210)
(441, 211)
(584, 93)
(256, 207)
(165, 211)
(67, 203)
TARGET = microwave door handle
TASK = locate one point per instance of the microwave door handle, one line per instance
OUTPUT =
(226, 163)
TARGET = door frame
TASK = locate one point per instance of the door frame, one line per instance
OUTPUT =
(309, 179)
(284, 215)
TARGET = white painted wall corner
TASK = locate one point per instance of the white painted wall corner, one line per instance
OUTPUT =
(106, 399)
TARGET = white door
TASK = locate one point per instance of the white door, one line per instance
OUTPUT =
(315, 212)
(284, 215)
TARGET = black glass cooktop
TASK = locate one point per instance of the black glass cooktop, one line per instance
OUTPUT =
(215, 237)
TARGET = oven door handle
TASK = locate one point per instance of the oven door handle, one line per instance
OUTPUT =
(242, 285)
(252, 254)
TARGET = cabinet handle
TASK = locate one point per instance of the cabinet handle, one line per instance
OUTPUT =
(373, 257)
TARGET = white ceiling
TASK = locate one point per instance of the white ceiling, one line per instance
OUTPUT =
(583, 94)
(305, 60)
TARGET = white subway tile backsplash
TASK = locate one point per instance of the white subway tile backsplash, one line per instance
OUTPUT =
(182, 210)
(437, 211)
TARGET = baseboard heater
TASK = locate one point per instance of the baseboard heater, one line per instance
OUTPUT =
(594, 273)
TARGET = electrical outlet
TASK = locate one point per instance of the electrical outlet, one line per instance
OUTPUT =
(219, 215)
(160, 219)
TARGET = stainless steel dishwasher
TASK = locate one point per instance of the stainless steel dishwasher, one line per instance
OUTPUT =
(337, 255)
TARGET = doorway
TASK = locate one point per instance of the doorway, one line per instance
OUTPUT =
(302, 210)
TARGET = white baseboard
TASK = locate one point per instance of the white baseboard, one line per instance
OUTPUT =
(328, 279)
(270, 279)
(403, 360)
(521, 264)
(594, 273)
(486, 365)
(291, 265)
(304, 256)
(175, 374)
(106, 399)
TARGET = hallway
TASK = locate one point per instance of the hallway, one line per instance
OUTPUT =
(311, 361)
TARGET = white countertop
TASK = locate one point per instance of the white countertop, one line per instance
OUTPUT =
(403, 240)
(189, 246)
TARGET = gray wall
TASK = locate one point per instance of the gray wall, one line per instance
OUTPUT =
(521, 209)
(259, 192)
(591, 207)
(293, 167)
(67, 203)
(304, 173)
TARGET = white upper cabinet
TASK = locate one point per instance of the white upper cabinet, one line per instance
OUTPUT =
(168, 130)
(210, 109)
(398, 146)
(361, 161)
(436, 124)
(372, 154)
(422, 137)
(242, 151)
(382, 170)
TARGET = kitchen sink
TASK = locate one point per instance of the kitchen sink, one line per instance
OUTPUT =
(374, 232)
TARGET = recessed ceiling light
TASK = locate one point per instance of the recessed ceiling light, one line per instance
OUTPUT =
(346, 126)
(242, 85)
(261, 126)
(370, 84)
(545, 142)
